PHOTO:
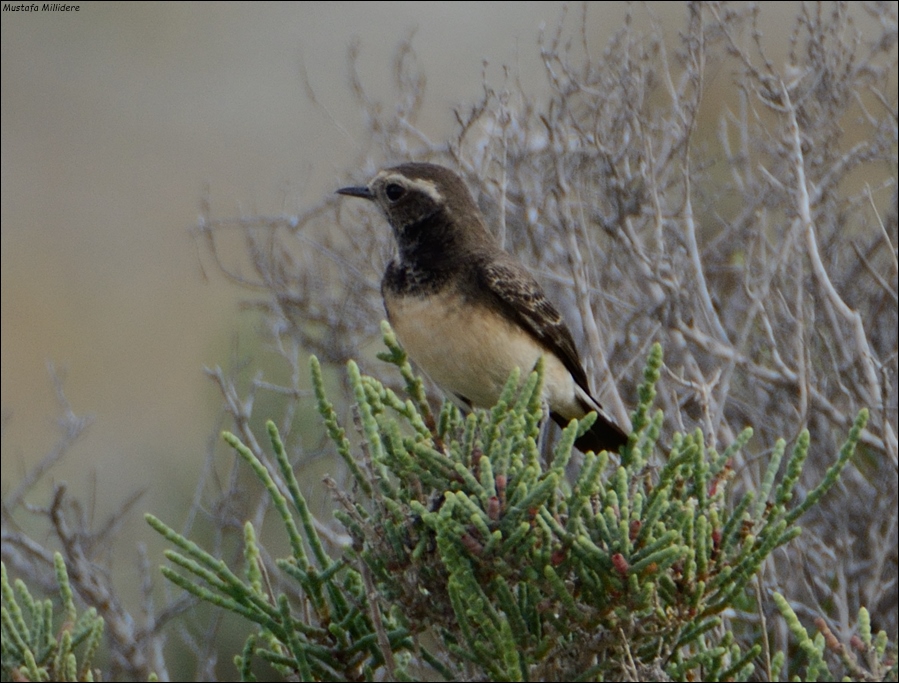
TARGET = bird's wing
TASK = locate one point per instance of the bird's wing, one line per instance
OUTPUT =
(521, 299)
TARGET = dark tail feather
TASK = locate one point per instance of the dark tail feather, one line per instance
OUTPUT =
(604, 435)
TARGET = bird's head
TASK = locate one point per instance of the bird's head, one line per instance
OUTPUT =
(418, 198)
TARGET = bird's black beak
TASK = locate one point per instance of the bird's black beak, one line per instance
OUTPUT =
(363, 192)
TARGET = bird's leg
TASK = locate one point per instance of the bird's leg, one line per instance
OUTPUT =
(544, 443)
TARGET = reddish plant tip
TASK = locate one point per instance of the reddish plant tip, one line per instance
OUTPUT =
(620, 564)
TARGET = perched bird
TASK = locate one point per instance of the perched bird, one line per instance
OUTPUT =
(465, 310)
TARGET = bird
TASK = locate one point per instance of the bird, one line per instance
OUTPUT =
(467, 311)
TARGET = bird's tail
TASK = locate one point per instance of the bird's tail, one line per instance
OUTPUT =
(603, 435)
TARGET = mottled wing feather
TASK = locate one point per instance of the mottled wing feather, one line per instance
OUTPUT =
(522, 300)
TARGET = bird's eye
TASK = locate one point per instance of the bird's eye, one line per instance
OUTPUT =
(394, 191)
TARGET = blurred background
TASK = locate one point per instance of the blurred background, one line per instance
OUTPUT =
(119, 123)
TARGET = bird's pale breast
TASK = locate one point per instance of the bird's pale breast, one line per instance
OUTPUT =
(470, 349)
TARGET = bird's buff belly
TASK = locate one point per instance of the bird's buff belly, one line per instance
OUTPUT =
(470, 350)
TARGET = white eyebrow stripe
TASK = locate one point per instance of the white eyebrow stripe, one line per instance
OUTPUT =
(429, 187)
